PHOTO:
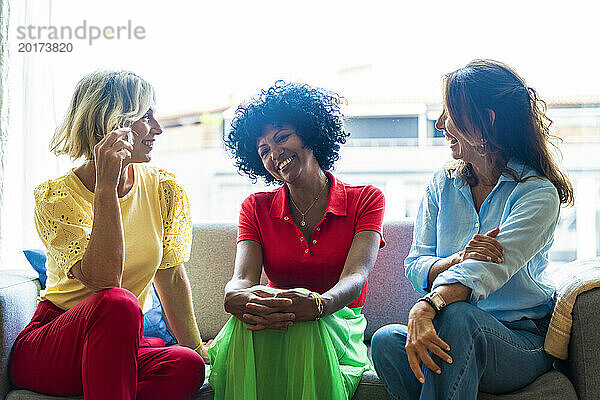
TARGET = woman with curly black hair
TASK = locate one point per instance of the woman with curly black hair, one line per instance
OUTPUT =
(317, 239)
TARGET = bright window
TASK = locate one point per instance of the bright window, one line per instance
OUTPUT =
(386, 58)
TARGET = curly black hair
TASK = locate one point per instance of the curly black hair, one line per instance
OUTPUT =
(313, 112)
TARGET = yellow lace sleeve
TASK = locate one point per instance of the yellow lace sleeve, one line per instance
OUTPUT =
(177, 222)
(63, 222)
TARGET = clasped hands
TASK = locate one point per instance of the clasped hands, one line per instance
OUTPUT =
(264, 310)
(422, 340)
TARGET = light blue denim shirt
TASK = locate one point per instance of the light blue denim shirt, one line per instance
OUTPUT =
(526, 213)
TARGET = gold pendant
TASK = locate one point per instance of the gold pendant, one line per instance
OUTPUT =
(302, 223)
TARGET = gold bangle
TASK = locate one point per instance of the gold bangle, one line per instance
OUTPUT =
(314, 295)
(197, 347)
(319, 304)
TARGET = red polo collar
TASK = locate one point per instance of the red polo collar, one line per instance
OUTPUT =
(337, 203)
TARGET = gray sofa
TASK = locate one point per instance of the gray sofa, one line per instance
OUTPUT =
(390, 297)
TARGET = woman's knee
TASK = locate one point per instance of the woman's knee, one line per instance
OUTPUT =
(119, 298)
(457, 313)
(117, 306)
(388, 340)
(189, 368)
(459, 321)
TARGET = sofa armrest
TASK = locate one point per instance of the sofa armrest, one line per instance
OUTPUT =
(18, 301)
(584, 346)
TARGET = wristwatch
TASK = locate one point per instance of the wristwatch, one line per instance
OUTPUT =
(435, 300)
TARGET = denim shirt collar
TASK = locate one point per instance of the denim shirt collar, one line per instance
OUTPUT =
(516, 165)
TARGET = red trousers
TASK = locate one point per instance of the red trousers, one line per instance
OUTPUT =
(96, 348)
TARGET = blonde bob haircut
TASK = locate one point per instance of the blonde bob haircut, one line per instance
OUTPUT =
(103, 101)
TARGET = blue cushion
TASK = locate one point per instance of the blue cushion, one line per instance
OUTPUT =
(154, 324)
(37, 259)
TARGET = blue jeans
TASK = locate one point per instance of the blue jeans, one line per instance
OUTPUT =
(488, 356)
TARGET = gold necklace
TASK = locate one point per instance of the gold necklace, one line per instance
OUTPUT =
(303, 222)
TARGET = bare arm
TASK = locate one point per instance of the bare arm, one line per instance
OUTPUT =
(422, 337)
(175, 293)
(258, 309)
(359, 262)
(248, 266)
(101, 266)
(174, 290)
(439, 267)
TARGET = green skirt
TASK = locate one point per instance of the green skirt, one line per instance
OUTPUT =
(323, 359)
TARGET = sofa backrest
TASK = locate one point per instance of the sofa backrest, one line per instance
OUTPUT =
(18, 294)
(389, 296)
(209, 269)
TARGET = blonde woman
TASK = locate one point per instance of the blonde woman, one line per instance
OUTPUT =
(111, 226)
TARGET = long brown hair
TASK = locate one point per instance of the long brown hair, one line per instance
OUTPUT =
(520, 129)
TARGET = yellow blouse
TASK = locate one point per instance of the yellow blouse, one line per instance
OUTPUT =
(157, 229)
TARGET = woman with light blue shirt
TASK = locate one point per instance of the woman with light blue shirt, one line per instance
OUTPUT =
(480, 247)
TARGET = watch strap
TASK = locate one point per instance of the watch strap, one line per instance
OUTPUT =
(430, 302)
(435, 300)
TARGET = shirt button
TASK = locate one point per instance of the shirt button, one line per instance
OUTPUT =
(314, 242)
(318, 229)
(302, 239)
(306, 251)
(476, 224)
(286, 218)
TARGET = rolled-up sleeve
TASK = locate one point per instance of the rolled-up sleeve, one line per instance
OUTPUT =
(527, 228)
(422, 253)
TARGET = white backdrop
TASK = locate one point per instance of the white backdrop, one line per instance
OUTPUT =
(201, 55)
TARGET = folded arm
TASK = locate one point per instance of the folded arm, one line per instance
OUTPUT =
(525, 231)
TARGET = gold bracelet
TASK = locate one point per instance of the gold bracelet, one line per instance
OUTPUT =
(314, 295)
(197, 347)
(319, 304)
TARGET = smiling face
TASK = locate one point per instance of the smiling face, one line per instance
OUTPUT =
(283, 153)
(144, 131)
(462, 146)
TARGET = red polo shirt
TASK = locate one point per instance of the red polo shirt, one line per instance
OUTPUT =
(289, 261)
